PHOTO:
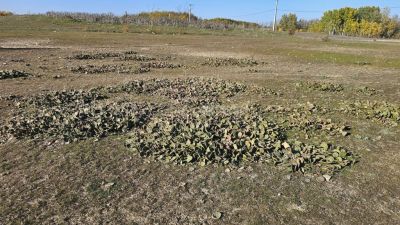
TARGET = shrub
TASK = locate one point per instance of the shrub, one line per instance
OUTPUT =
(5, 13)
(325, 38)
(291, 32)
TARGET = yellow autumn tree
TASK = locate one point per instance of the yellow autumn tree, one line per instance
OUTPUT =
(316, 26)
(389, 27)
(351, 27)
(366, 21)
(370, 29)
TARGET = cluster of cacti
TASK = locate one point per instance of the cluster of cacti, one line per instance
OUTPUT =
(91, 69)
(321, 86)
(241, 62)
(61, 98)
(367, 91)
(159, 65)
(266, 92)
(201, 131)
(99, 55)
(190, 91)
(147, 63)
(305, 118)
(125, 56)
(82, 114)
(380, 111)
(11, 74)
(74, 115)
(136, 57)
(231, 136)
(96, 69)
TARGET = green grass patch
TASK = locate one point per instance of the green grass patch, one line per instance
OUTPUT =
(341, 58)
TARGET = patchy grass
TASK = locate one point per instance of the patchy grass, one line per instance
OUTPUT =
(101, 181)
(342, 58)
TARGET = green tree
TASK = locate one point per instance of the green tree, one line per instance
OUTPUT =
(369, 14)
(288, 22)
(334, 21)
(331, 21)
(316, 26)
(366, 21)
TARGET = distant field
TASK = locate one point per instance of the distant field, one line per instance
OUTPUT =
(309, 47)
(38, 23)
(103, 123)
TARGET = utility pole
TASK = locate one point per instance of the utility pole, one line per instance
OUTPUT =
(190, 12)
(126, 17)
(276, 14)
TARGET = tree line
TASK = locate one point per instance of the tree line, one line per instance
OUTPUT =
(366, 21)
(157, 18)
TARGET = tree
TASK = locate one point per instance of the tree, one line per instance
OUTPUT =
(5, 13)
(389, 25)
(366, 21)
(330, 21)
(304, 25)
(370, 29)
(334, 21)
(369, 14)
(316, 26)
(351, 27)
(288, 22)
(389, 28)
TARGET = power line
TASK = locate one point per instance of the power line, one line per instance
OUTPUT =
(265, 12)
(256, 13)
(294, 11)
(301, 11)
(190, 11)
(279, 10)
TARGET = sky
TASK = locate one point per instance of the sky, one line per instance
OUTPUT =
(260, 11)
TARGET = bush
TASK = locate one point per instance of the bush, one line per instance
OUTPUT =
(291, 32)
(5, 13)
(325, 38)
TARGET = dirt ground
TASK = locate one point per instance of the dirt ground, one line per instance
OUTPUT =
(101, 182)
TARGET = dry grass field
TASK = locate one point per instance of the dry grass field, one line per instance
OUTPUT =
(100, 126)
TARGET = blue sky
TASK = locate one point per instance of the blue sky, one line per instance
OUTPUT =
(260, 11)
